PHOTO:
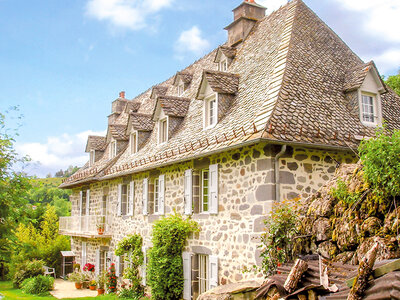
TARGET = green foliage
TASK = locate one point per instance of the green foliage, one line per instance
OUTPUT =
(77, 277)
(380, 159)
(277, 241)
(111, 280)
(131, 249)
(39, 285)
(165, 268)
(101, 280)
(342, 193)
(394, 83)
(44, 243)
(129, 294)
(26, 270)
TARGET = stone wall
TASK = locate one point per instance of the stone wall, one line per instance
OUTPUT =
(246, 195)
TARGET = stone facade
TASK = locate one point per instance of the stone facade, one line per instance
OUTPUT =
(246, 194)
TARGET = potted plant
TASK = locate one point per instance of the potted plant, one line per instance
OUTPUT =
(101, 283)
(78, 278)
(92, 285)
(100, 228)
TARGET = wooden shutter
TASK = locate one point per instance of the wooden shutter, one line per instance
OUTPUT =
(145, 195)
(119, 208)
(187, 275)
(87, 202)
(84, 253)
(213, 189)
(188, 192)
(213, 269)
(131, 198)
(97, 264)
(144, 266)
(118, 266)
(80, 203)
(161, 194)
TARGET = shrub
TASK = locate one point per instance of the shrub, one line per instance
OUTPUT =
(277, 241)
(131, 249)
(111, 279)
(77, 277)
(101, 280)
(380, 159)
(165, 268)
(129, 294)
(26, 270)
(342, 193)
(39, 285)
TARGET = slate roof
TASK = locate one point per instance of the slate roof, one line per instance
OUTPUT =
(185, 76)
(158, 91)
(118, 132)
(287, 81)
(229, 52)
(174, 106)
(132, 106)
(98, 143)
(141, 122)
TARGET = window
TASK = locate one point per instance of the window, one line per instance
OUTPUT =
(113, 149)
(211, 111)
(163, 130)
(223, 65)
(84, 254)
(104, 205)
(92, 157)
(203, 273)
(84, 202)
(133, 142)
(156, 195)
(204, 190)
(368, 109)
(124, 199)
(181, 88)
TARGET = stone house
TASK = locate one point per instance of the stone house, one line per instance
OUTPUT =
(267, 116)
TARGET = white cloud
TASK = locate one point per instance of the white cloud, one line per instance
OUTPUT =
(191, 41)
(57, 153)
(129, 14)
(380, 18)
(388, 61)
(272, 5)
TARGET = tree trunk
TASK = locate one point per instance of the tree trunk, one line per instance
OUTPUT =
(295, 275)
(364, 271)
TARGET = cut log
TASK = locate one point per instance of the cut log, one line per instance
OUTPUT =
(364, 271)
(295, 275)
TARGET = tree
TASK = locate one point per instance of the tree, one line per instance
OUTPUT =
(13, 187)
(394, 82)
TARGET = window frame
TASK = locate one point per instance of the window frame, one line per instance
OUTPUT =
(156, 195)
(113, 149)
(181, 88)
(207, 111)
(126, 197)
(204, 272)
(163, 136)
(202, 189)
(133, 142)
(92, 158)
(375, 114)
(223, 65)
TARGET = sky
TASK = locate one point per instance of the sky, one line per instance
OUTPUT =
(62, 63)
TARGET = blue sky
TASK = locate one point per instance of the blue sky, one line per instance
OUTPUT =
(63, 62)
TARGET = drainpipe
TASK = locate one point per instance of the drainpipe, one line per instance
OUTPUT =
(277, 181)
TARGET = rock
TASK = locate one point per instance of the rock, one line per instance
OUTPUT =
(392, 222)
(327, 250)
(387, 250)
(245, 289)
(371, 226)
(347, 233)
(344, 257)
(322, 229)
(322, 207)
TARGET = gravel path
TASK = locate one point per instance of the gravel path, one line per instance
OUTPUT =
(66, 289)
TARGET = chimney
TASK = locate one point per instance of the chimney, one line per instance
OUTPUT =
(245, 17)
(122, 95)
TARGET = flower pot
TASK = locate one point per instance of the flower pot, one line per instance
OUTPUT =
(100, 231)
(78, 285)
(100, 291)
(92, 287)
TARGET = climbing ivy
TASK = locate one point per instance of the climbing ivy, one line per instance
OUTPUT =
(341, 193)
(131, 249)
(165, 268)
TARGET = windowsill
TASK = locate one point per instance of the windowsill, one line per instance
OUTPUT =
(210, 126)
(369, 124)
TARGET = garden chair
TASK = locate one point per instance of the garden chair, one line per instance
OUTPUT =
(49, 271)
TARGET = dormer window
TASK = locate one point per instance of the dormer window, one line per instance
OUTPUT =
(368, 108)
(133, 142)
(181, 88)
(210, 111)
(163, 130)
(113, 149)
(92, 157)
(223, 65)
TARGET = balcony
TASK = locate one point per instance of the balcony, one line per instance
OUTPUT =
(84, 226)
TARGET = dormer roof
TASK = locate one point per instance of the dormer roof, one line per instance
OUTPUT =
(355, 77)
(132, 107)
(172, 106)
(229, 52)
(118, 132)
(184, 76)
(220, 82)
(97, 143)
(140, 122)
(158, 91)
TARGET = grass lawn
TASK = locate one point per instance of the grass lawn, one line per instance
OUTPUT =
(7, 290)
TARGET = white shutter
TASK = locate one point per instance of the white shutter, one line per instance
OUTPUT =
(87, 202)
(213, 189)
(161, 194)
(97, 265)
(119, 208)
(213, 269)
(145, 195)
(188, 192)
(144, 266)
(80, 203)
(118, 266)
(187, 275)
(131, 200)
(83, 261)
